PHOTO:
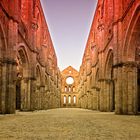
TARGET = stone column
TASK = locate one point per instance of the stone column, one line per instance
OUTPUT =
(9, 89)
(130, 89)
(32, 93)
(3, 88)
(90, 99)
(94, 100)
(42, 96)
(118, 91)
(102, 100)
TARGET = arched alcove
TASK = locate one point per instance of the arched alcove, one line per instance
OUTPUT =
(22, 73)
(110, 81)
(131, 56)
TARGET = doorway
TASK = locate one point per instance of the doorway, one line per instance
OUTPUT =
(138, 84)
(113, 90)
(18, 95)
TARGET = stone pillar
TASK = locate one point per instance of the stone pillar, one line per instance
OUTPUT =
(98, 98)
(109, 95)
(27, 92)
(32, 93)
(90, 100)
(126, 89)
(3, 89)
(9, 89)
(118, 91)
(129, 89)
(94, 99)
(102, 96)
(42, 97)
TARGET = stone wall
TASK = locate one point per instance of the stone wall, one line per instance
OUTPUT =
(109, 74)
(69, 94)
(29, 75)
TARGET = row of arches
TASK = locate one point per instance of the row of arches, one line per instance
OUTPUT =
(111, 80)
(69, 89)
(29, 76)
(69, 99)
(35, 80)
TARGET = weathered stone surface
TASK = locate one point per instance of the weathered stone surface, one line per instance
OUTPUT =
(29, 75)
(112, 50)
(69, 94)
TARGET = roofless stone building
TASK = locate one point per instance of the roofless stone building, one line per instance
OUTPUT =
(109, 76)
(110, 72)
(29, 75)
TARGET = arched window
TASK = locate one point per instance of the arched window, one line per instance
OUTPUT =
(69, 99)
(69, 89)
(65, 89)
(74, 99)
(65, 99)
(73, 89)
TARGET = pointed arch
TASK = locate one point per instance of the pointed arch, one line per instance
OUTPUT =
(97, 76)
(3, 42)
(133, 31)
(69, 99)
(74, 99)
(39, 25)
(109, 64)
(22, 60)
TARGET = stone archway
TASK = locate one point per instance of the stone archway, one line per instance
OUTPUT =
(37, 98)
(110, 86)
(138, 84)
(18, 95)
(136, 38)
(130, 102)
(3, 49)
(22, 94)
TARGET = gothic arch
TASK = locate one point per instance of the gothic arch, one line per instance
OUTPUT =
(3, 42)
(22, 60)
(110, 96)
(22, 93)
(39, 25)
(108, 65)
(133, 31)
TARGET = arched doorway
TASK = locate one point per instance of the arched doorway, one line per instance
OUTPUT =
(110, 82)
(69, 100)
(137, 58)
(138, 83)
(135, 41)
(74, 100)
(18, 95)
(65, 101)
(131, 58)
(3, 50)
(22, 99)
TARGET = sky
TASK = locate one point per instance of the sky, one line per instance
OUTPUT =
(69, 23)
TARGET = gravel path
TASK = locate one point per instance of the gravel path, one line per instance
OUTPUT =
(69, 124)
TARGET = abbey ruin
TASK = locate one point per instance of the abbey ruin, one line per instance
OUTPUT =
(109, 76)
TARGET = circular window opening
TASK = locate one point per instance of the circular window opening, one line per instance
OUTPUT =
(69, 80)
